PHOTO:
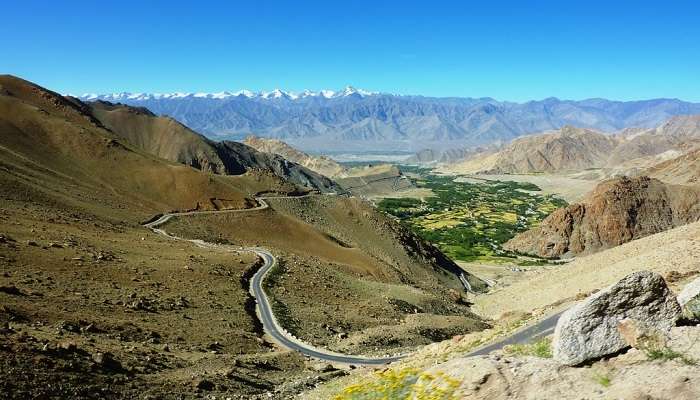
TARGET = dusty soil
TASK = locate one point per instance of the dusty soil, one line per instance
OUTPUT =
(168, 315)
(671, 252)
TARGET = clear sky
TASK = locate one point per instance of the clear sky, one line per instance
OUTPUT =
(517, 50)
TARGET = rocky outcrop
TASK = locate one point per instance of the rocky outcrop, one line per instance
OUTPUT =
(627, 376)
(617, 211)
(589, 330)
(689, 299)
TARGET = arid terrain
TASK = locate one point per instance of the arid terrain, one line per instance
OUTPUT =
(100, 306)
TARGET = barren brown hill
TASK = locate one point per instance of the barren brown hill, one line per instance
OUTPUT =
(321, 164)
(642, 147)
(375, 180)
(617, 211)
(54, 145)
(683, 170)
(574, 149)
(567, 149)
(169, 139)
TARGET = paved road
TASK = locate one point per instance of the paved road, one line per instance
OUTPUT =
(264, 309)
(526, 335)
(284, 338)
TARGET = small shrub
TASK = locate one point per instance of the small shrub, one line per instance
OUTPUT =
(667, 354)
(541, 348)
(405, 383)
(603, 380)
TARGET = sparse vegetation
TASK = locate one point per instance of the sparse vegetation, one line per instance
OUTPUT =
(402, 383)
(666, 354)
(541, 348)
(603, 380)
(470, 221)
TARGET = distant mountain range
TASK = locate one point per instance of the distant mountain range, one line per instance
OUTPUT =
(357, 120)
(568, 149)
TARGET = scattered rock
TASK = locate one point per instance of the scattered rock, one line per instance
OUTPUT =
(107, 361)
(675, 276)
(68, 326)
(322, 367)
(13, 290)
(68, 347)
(142, 304)
(689, 300)
(32, 243)
(589, 329)
(204, 384)
(90, 328)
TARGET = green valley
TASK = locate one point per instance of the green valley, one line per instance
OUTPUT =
(469, 219)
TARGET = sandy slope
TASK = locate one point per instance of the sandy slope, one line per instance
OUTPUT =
(674, 250)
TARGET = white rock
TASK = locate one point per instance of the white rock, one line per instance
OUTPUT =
(589, 329)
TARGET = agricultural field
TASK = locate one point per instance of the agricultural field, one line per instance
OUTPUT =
(470, 220)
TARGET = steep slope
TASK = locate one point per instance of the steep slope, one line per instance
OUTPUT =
(47, 138)
(167, 138)
(321, 164)
(678, 134)
(629, 152)
(375, 180)
(388, 122)
(682, 170)
(565, 150)
(617, 211)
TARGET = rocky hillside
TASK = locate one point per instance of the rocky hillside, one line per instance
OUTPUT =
(575, 149)
(375, 180)
(567, 149)
(674, 137)
(321, 164)
(56, 146)
(352, 118)
(683, 170)
(169, 139)
(447, 156)
(617, 211)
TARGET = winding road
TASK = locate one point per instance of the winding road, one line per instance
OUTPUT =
(263, 308)
(285, 339)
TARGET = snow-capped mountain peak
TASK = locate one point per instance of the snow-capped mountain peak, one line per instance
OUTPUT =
(278, 93)
(223, 95)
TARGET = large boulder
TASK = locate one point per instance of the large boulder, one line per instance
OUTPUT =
(689, 299)
(589, 330)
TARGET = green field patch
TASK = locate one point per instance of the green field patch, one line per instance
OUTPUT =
(470, 220)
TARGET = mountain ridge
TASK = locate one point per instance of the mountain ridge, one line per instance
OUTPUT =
(171, 140)
(395, 122)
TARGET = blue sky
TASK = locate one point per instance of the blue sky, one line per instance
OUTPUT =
(515, 51)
